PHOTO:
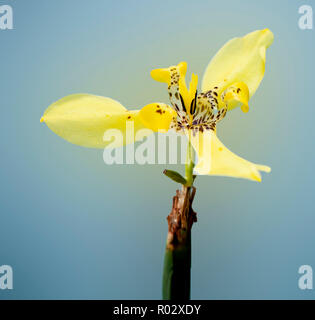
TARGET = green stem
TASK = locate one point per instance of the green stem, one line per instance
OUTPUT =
(177, 259)
(189, 167)
(176, 273)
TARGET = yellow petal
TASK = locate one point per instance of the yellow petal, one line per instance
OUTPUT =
(164, 74)
(83, 119)
(239, 60)
(174, 76)
(161, 75)
(157, 116)
(237, 94)
(193, 86)
(215, 159)
(182, 68)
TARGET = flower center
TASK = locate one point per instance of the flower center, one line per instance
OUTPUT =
(196, 112)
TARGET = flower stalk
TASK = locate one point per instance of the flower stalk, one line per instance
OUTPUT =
(177, 259)
(189, 167)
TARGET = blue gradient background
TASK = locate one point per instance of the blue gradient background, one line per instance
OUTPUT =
(72, 227)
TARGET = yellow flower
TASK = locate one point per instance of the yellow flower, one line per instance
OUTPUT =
(230, 79)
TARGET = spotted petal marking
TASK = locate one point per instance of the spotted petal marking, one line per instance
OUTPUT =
(176, 99)
(205, 113)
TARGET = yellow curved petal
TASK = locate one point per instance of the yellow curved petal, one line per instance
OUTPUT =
(182, 68)
(164, 74)
(157, 116)
(161, 75)
(83, 119)
(174, 77)
(215, 159)
(237, 94)
(239, 60)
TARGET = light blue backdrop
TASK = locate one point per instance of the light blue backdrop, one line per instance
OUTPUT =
(72, 227)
